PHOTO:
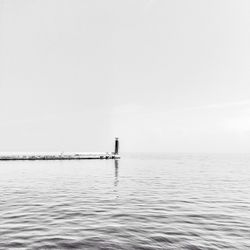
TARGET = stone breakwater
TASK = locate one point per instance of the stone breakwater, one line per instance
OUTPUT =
(58, 156)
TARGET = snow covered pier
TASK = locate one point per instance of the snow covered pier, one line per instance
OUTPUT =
(62, 156)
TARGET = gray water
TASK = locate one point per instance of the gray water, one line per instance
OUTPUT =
(138, 202)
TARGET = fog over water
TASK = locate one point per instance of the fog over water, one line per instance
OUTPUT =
(165, 76)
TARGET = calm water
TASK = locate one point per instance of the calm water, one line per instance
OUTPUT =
(143, 202)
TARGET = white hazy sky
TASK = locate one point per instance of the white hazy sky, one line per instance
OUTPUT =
(163, 75)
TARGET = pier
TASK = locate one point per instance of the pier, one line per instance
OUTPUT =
(62, 156)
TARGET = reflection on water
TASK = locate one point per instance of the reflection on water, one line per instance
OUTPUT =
(116, 172)
(163, 202)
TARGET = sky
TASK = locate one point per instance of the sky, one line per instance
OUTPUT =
(163, 76)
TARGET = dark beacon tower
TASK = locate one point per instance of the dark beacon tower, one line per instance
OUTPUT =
(116, 146)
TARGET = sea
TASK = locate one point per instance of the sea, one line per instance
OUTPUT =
(142, 201)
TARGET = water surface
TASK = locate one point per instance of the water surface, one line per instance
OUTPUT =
(138, 202)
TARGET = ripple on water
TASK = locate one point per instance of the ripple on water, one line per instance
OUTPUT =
(170, 202)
